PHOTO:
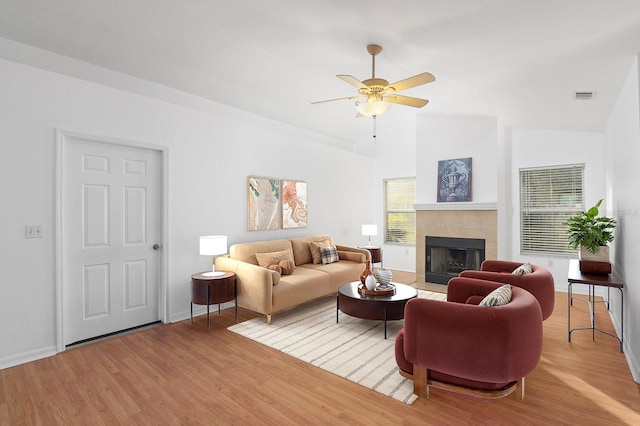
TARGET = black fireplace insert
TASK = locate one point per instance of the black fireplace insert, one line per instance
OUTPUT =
(447, 257)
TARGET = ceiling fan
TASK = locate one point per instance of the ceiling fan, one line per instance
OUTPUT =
(376, 94)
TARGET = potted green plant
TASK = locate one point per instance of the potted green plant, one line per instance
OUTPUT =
(591, 233)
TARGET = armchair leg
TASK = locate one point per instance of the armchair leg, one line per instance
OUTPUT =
(268, 319)
(420, 386)
(520, 389)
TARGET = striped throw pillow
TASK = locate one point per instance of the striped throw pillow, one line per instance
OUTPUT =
(498, 297)
(523, 269)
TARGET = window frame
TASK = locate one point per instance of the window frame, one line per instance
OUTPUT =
(400, 211)
(549, 206)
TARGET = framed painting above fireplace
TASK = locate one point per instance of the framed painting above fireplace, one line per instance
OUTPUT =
(454, 180)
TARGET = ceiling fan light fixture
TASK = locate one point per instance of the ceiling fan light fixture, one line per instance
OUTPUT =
(373, 107)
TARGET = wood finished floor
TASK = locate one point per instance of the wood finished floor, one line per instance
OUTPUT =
(180, 374)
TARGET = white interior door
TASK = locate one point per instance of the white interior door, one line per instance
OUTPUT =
(111, 221)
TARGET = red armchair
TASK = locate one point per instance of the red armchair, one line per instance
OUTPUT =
(459, 346)
(539, 282)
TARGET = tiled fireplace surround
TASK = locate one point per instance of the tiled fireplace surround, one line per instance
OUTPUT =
(471, 220)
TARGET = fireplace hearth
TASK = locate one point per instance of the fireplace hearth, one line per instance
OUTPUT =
(447, 257)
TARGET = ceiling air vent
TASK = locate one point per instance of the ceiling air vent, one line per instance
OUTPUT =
(584, 95)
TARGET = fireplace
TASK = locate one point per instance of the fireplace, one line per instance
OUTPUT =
(447, 257)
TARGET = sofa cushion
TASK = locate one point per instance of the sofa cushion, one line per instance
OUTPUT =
(315, 247)
(523, 269)
(246, 252)
(302, 250)
(273, 258)
(329, 255)
(498, 297)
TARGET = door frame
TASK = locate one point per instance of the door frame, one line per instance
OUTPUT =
(163, 273)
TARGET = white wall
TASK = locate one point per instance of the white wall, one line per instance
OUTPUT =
(537, 148)
(623, 203)
(444, 137)
(210, 156)
(395, 157)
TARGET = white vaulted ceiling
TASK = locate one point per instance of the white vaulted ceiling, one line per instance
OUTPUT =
(518, 60)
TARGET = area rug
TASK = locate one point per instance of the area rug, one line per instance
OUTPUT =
(352, 348)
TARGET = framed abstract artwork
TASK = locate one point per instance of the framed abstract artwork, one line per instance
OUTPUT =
(294, 204)
(454, 180)
(263, 201)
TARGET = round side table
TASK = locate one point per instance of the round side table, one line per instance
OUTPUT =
(376, 254)
(213, 290)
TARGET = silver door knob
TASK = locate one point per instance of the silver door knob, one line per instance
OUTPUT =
(156, 246)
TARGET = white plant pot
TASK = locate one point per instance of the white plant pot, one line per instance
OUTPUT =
(602, 255)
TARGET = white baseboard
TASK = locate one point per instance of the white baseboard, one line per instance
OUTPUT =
(23, 358)
(200, 310)
(632, 360)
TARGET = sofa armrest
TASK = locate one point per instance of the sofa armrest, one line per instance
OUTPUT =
(352, 256)
(366, 253)
(254, 283)
(460, 289)
(505, 266)
(539, 283)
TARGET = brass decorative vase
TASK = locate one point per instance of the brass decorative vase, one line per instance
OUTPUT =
(367, 272)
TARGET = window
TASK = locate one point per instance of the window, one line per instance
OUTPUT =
(400, 217)
(548, 197)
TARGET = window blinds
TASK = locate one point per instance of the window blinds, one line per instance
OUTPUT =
(548, 197)
(400, 217)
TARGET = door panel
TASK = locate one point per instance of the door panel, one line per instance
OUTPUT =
(95, 291)
(111, 216)
(135, 282)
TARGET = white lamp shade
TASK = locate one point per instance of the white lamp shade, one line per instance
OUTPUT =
(369, 229)
(213, 245)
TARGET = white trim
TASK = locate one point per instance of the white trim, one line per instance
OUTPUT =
(24, 357)
(457, 206)
(58, 242)
(163, 290)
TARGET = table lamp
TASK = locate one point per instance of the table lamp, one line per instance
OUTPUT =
(369, 230)
(213, 245)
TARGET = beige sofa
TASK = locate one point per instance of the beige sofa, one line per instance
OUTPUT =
(265, 291)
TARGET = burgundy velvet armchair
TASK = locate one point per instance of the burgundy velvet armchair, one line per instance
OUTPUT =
(459, 346)
(539, 282)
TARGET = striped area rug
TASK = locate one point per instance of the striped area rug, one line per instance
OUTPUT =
(352, 348)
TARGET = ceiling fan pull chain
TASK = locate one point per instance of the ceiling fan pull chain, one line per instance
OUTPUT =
(374, 128)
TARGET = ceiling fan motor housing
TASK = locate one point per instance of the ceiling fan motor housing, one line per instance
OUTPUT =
(374, 85)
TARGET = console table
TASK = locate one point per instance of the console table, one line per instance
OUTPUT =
(611, 280)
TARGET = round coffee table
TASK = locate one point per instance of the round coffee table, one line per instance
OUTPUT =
(381, 308)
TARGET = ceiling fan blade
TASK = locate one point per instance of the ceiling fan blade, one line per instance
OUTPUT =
(406, 100)
(410, 82)
(348, 98)
(354, 82)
